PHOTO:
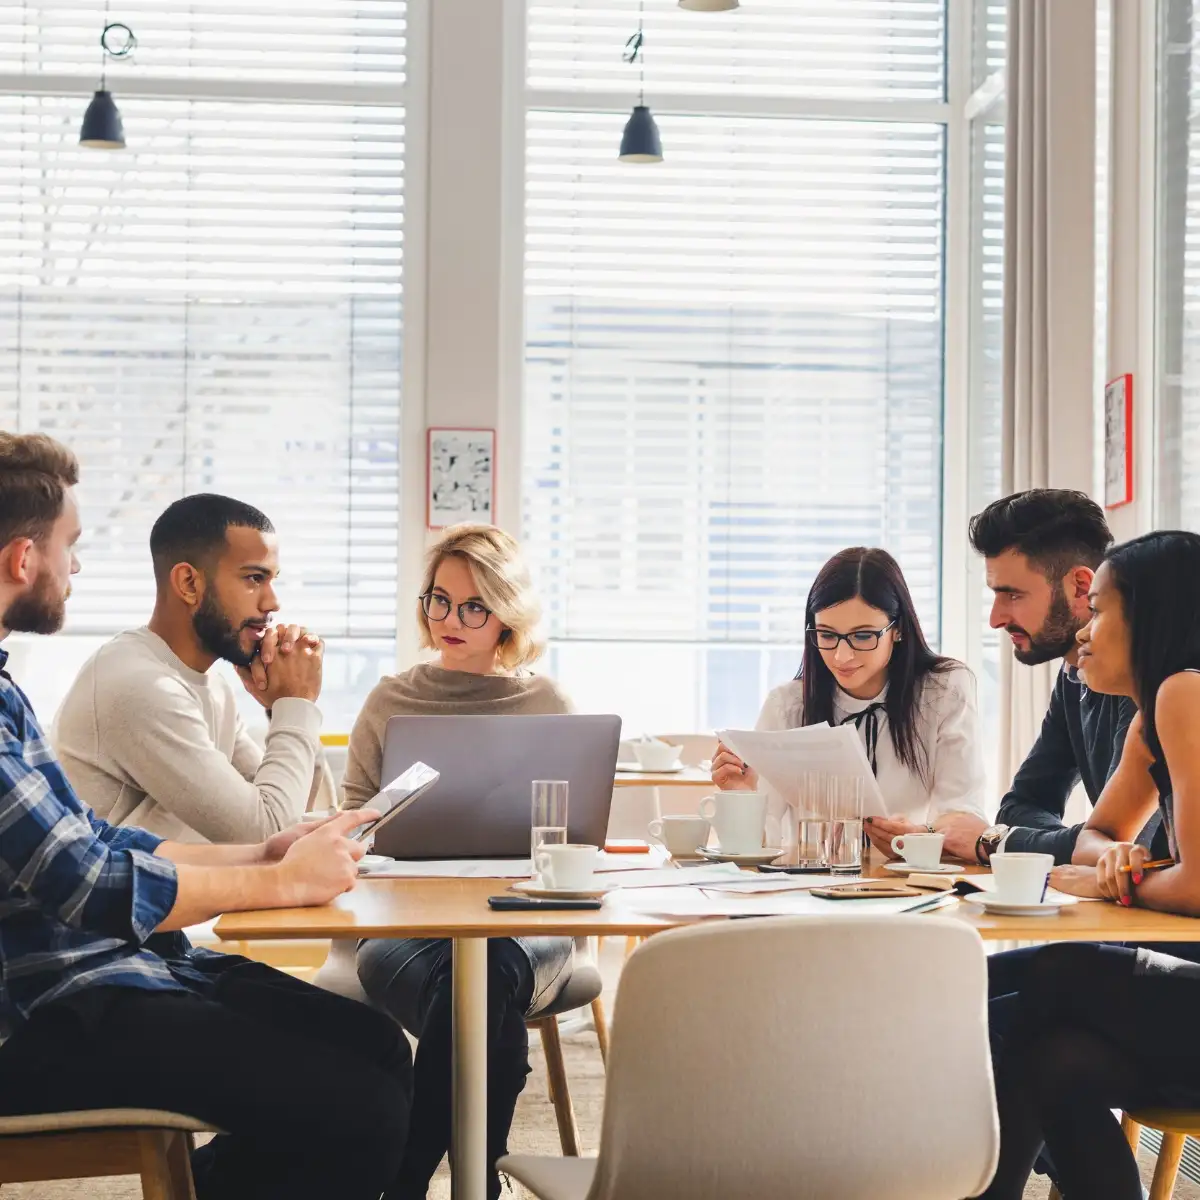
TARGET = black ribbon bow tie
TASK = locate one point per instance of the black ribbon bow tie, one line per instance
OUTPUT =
(868, 722)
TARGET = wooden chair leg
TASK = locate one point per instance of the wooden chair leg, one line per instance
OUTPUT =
(1132, 1131)
(600, 1020)
(560, 1092)
(157, 1181)
(631, 944)
(179, 1159)
(1167, 1166)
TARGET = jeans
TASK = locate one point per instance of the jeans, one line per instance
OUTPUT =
(412, 979)
(313, 1090)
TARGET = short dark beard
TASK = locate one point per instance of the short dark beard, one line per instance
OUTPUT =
(216, 634)
(1055, 639)
(42, 609)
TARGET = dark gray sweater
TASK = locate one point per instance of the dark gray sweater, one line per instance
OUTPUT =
(1081, 739)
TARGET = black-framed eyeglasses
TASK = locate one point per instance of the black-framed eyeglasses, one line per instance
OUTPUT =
(858, 639)
(471, 613)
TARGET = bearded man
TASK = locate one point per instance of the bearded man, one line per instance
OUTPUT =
(150, 735)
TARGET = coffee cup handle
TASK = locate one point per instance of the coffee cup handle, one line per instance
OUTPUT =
(655, 829)
(541, 861)
(708, 808)
(898, 844)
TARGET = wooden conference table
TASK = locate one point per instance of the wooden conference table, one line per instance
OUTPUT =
(457, 909)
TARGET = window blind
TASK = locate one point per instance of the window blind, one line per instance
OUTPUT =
(218, 307)
(1177, 417)
(865, 49)
(733, 358)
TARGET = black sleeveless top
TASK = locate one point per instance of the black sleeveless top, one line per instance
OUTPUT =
(1166, 800)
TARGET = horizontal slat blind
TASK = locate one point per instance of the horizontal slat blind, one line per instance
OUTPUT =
(893, 49)
(733, 368)
(216, 308)
(303, 41)
(989, 38)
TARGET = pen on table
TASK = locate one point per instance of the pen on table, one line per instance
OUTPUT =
(1156, 865)
(937, 901)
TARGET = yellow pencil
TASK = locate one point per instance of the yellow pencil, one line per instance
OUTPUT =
(1156, 865)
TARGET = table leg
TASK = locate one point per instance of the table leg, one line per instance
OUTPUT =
(468, 1135)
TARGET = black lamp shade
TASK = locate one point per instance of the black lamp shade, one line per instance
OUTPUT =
(641, 142)
(102, 124)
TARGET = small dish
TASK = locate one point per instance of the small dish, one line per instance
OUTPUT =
(754, 858)
(533, 887)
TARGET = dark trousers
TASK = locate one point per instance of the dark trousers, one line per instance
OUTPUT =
(1089, 1033)
(312, 1090)
(412, 979)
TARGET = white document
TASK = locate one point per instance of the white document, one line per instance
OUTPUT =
(781, 758)
(673, 877)
(704, 902)
(508, 868)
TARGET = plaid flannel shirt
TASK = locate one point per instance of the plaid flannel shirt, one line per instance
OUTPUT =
(78, 897)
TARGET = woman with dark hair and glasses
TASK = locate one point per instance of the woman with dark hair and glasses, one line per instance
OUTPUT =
(867, 663)
(1104, 1027)
(478, 612)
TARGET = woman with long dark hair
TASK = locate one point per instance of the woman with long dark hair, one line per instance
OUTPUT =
(866, 662)
(1102, 1027)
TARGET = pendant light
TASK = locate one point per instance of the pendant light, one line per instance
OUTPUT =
(640, 143)
(709, 5)
(102, 128)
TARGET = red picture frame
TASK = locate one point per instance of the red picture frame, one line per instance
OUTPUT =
(1118, 442)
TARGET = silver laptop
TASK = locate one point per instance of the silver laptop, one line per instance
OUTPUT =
(480, 807)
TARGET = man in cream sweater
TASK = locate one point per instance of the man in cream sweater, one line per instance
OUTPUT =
(150, 736)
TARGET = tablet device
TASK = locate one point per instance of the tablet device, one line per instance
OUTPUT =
(393, 799)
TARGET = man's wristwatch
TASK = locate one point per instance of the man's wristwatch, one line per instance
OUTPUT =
(988, 842)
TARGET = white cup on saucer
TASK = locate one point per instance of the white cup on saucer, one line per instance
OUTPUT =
(568, 867)
(1021, 878)
(919, 849)
(681, 835)
(656, 756)
(738, 818)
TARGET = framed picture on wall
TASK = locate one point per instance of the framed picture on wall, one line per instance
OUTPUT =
(461, 477)
(1118, 441)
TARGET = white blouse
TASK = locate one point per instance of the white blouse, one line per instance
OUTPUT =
(947, 727)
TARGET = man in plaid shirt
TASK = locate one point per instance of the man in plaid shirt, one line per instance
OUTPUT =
(103, 1004)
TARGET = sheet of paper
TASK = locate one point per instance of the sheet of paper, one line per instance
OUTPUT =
(674, 877)
(699, 903)
(781, 758)
(987, 883)
(510, 868)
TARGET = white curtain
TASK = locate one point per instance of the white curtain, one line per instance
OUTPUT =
(1049, 288)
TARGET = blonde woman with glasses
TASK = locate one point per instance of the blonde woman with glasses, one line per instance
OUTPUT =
(477, 612)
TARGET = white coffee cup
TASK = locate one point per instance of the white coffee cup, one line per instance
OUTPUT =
(1021, 878)
(919, 849)
(656, 756)
(738, 818)
(680, 835)
(568, 867)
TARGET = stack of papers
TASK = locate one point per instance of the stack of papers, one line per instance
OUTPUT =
(782, 757)
(708, 902)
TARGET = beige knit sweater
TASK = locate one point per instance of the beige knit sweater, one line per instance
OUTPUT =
(432, 691)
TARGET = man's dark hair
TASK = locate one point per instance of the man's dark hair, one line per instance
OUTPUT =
(193, 530)
(1055, 528)
(35, 473)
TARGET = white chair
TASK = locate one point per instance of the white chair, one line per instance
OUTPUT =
(797, 1057)
(581, 990)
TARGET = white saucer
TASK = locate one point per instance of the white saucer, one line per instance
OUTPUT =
(533, 887)
(993, 904)
(369, 862)
(753, 859)
(636, 769)
(903, 868)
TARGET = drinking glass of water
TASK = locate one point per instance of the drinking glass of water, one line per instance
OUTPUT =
(844, 803)
(549, 816)
(812, 820)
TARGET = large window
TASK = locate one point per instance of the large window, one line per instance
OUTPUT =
(1177, 477)
(734, 357)
(217, 307)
